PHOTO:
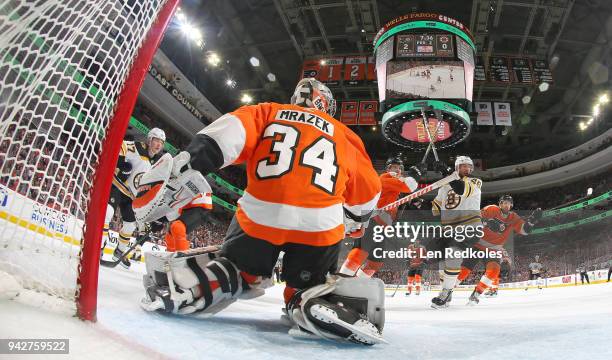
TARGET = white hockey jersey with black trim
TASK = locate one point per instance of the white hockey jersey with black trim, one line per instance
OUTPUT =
(455, 209)
(137, 155)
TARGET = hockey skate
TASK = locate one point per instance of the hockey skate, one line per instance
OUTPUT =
(443, 299)
(474, 298)
(491, 293)
(408, 293)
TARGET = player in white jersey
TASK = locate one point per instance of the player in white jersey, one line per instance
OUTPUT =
(135, 159)
(458, 205)
(536, 270)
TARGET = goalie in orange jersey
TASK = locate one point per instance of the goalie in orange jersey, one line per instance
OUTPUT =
(500, 222)
(416, 263)
(361, 260)
(309, 182)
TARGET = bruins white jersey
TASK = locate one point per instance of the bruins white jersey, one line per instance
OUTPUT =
(536, 267)
(137, 155)
(455, 209)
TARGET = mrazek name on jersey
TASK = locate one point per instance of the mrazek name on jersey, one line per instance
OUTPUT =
(306, 118)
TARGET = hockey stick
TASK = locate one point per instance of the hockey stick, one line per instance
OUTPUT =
(394, 291)
(431, 143)
(140, 239)
(438, 184)
(398, 285)
(431, 140)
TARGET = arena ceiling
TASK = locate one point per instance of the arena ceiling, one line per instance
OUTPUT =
(574, 35)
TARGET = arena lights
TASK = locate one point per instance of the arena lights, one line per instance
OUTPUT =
(526, 99)
(214, 59)
(271, 77)
(230, 83)
(543, 87)
(190, 30)
(254, 61)
(246, 99)
(602, 100)
(322, 62)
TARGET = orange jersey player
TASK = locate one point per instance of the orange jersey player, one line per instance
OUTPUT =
(416, 263)
(393, 184)
(500, 223)
(306, 172)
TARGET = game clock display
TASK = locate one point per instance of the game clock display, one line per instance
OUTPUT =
(425, 45)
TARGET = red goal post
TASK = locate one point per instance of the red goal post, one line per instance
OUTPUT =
(70, 74)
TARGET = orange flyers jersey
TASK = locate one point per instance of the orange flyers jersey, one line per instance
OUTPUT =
(495, 240)
(304, 169)
(392, 187)
(417, 254)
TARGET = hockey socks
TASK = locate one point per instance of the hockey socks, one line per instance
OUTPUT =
(353, 261)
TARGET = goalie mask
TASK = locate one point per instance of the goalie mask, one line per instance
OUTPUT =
(311, 93)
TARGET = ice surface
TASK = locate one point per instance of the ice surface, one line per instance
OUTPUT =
(560, 323)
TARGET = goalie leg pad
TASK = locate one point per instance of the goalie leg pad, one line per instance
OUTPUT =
(350, 309)
(184, 283)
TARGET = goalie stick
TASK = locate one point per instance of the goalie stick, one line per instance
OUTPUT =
(431, 187)
(140, 239)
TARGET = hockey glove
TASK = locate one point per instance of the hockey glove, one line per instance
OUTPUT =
(442, 168)
(124, 167)
(415, 173)
(494, 225)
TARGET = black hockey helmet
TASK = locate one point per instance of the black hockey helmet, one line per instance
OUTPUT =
(506, 198)
(395, 160)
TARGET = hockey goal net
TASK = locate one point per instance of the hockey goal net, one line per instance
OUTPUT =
(70, 72)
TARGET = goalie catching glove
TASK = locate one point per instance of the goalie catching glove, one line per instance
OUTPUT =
(167, 187)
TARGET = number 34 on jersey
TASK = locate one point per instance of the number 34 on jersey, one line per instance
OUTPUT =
(303, 168)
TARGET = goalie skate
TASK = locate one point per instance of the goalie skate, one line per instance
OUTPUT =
(363, 331)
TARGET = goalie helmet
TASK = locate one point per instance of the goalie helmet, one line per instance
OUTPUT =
(311, 93)
(463, 160)
(156, 133)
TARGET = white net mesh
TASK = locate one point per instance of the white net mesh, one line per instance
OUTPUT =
(62, 66)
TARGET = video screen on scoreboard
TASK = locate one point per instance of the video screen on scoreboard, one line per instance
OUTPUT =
(410, 79)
